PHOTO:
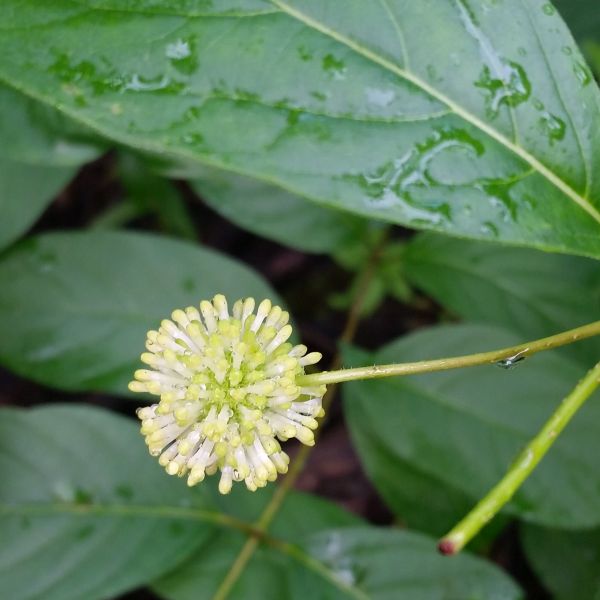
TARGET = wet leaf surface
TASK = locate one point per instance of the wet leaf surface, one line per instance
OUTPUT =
(458, 131)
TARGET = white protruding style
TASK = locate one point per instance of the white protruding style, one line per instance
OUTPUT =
(227, 385)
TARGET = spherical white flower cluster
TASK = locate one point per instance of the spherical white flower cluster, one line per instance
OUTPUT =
(228, 392)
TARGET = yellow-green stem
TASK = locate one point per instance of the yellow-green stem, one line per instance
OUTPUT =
(270, 511)
(510, 355)
(526, 462)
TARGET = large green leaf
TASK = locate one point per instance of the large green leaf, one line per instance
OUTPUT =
(485, 127)
(353, 562)
(202, 573)
(84, 511)
(278, 215)
(75, 307)
(526, 291)
(462, 429)
(40, 152)
(568, 562)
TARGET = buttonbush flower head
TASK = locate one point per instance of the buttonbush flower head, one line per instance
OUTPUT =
(228, 391)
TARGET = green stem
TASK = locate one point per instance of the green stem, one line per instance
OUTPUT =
(507, 355)
(301, 458)
(526, 462)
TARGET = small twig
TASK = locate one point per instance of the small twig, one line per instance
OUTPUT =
(503, 357)
(526, 462)
(301, 457)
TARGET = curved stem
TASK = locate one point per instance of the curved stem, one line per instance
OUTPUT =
(526, 462)
(504, 357)
(270, 511)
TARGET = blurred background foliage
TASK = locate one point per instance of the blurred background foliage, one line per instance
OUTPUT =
(108, 225)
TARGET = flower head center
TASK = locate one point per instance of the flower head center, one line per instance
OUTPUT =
(227, 387)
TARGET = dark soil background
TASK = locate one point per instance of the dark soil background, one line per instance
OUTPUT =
(305, 282)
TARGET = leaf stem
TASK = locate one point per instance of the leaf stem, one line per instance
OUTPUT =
(503, 356)
(525, 463)
(270, 511)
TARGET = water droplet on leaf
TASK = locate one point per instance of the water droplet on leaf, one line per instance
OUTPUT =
(334, 66)
(582, 73)
(553, 127)
(548, 9)
(511, 361)
(489, 229)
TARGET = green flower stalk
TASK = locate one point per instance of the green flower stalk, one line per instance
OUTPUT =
(229, 392)
(232, 388)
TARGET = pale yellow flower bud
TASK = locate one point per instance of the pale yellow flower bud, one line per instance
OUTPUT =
(227, 383)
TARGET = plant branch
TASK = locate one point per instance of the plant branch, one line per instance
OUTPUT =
(526, 462)
(268, 514)
(504, 357)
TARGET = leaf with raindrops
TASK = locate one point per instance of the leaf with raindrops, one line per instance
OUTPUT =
(427, 114)
(40, 153)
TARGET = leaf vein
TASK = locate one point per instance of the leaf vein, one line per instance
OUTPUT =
(369, 54)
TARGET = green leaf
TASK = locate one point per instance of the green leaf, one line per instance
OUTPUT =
(84, 511)
(352, 562)
(278, 215)
(526, 291)
(460, 429)
(485, 127)
(568, 562)
(78, 480)
(190, 8)
(388, 564)
(25, 191)
(202, 573)
(39, 154)
(75, 307)
(38, 135)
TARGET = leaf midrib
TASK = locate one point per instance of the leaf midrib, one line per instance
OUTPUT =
(175, 512)
(464, 114)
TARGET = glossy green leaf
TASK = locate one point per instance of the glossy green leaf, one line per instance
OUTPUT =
(75, 307)
(568, 562)
(84, 511)
(461, 429)
(352, 562)
(526, 291)
(485, 127)
(40, 152)
(278, 215)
